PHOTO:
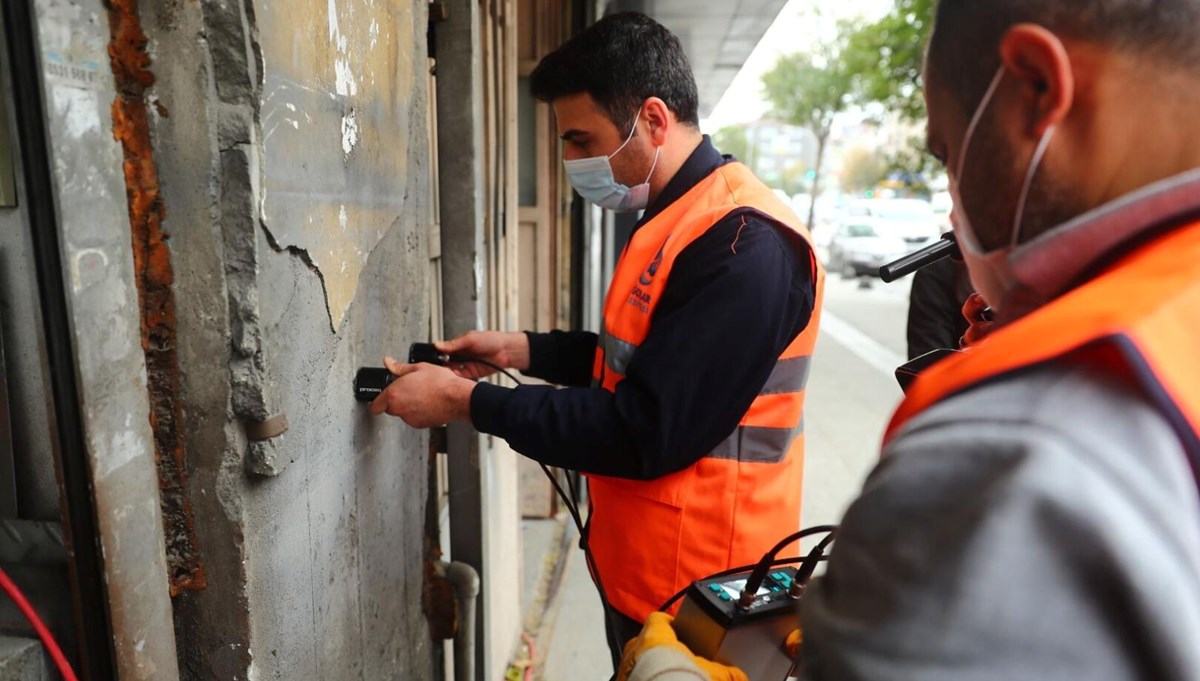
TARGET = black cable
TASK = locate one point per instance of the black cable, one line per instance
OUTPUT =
(733, 571)
(760, 571)
(795, 536)
(571, 502)
(809, 566)
(463, 359)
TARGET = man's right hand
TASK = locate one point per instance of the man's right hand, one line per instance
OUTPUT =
(508, 350)
(978, 314)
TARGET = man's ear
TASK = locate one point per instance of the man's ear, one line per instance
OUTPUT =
(1040, 63)
(659, 120)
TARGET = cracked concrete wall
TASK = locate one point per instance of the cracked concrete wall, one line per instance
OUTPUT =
(293, 162)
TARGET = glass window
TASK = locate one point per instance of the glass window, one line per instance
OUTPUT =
(857, 231)
(527, 190)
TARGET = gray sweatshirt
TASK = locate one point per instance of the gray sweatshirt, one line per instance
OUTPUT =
(1045, 526)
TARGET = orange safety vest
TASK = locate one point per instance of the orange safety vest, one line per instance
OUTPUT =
(650, 539)
(1140, 320)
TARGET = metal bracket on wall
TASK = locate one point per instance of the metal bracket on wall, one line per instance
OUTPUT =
(265, 454)
(257, 431)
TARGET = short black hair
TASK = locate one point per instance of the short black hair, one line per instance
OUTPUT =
(621, 61)
(963, 48)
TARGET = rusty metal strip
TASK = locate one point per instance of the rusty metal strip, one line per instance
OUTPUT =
(155, 278)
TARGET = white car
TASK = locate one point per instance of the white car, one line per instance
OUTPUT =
(913, 220)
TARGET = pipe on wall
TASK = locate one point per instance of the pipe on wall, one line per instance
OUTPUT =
(466, 590)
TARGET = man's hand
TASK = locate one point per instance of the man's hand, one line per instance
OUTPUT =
(424, 395)
(658, 632)
(509, 350)
(977, 313)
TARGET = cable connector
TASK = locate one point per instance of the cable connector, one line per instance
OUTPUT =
(749, 593)
(427, 353)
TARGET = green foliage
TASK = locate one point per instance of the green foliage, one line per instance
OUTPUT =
(888, 57)
(862, 169)
(735, 141)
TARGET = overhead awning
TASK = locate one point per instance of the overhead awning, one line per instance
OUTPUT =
(718, 36)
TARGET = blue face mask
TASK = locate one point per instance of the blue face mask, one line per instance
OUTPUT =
(593, 179)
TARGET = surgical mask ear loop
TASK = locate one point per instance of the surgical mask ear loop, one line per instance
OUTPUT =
(983, 104)
(1038, 155)
(653, 165)
(626, 142)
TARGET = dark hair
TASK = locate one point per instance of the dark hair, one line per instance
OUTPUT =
(963, 47)
(621, 61)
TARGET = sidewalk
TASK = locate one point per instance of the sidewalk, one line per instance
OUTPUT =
(575, 649)
(562, 612)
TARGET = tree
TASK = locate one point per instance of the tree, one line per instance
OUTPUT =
(735, 141)
(862, 169)
(888, 57)
(809, 89)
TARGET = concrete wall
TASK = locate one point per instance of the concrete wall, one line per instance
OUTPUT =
(294, 169)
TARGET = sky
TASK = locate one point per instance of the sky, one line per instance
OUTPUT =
(798, 24)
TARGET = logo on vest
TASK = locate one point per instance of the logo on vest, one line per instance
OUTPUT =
(638, 298)
(648, 276)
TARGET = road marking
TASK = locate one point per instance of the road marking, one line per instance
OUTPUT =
(869, 350)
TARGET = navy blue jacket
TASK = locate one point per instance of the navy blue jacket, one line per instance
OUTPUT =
(736, 298)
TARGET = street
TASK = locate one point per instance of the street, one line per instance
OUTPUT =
(851, 396)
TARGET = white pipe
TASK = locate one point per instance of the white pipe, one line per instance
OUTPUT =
(466, 589)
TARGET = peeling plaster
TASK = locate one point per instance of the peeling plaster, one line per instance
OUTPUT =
(80, 110)
(333, 149)
(349, 139)
(346, 85)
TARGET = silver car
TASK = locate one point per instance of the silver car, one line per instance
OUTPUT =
(859, 248)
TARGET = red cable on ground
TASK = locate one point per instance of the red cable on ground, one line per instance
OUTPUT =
(532, 656)
(43, 633)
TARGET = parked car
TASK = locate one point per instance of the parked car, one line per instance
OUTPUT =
(912, 220)
(858, 248)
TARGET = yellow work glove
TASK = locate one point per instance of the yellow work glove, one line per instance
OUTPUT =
(794, 640)
(658, 633)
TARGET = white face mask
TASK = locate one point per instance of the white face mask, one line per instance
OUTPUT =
(990, 272)
(593, 179)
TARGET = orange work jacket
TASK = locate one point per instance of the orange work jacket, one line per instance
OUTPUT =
(1139, 320)
(650, 539)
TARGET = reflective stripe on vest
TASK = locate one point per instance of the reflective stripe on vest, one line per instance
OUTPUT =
(758, 444)
(1140, 318)
(650, 538)
(617, 353)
